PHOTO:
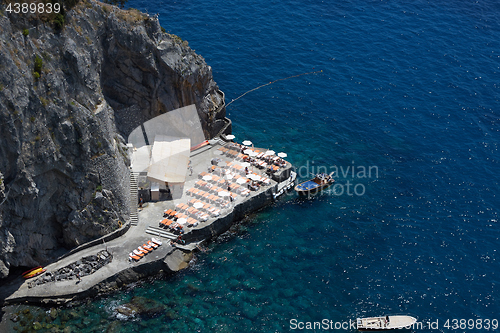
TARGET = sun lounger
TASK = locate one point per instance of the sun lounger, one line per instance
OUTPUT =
(133, 256)
(153, 245)
(166, 223)
(138, 253)
(245, 192)
(214, 211)
(192, 222)
(143, 250)
(156, 241)
(140, 249)
(203, 217)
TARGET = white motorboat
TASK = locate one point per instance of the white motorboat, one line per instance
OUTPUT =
(385, 323)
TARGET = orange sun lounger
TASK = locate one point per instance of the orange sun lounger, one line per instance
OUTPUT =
(133, 256)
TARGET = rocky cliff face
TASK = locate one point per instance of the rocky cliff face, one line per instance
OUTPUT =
(68, 99)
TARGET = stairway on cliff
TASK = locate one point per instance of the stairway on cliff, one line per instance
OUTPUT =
(134, 219)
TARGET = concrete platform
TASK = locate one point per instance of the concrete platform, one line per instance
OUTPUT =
(121, 270)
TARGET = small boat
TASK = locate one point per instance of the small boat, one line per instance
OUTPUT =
(315, 185)
(385, 323)
(30, 270)
(34, 273)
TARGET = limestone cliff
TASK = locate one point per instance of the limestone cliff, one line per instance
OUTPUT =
(68, 97)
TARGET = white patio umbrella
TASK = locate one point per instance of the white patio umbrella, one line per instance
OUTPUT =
(247, 143)
(229, 176)
(197, 205)
(245, 164)
(230, 137)
(282, 155)
(247, 151)
(182, 220)
(253, 154)
(207, 178)
(270, 152)
(241, 181)
(223, 194)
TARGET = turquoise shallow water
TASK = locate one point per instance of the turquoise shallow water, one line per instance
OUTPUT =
(409, 88)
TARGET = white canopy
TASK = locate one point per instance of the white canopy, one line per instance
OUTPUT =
(169, 159)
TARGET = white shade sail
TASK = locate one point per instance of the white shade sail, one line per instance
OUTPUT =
(169, 159)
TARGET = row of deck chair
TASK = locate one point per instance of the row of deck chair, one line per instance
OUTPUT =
(143, 250)
(209, 197)
(192, 212)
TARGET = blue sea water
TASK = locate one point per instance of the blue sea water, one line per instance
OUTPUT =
(408, 90)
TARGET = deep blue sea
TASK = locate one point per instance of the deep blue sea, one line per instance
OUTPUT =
(408, 90)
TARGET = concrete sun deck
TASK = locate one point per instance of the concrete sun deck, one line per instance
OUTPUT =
(169, 257)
